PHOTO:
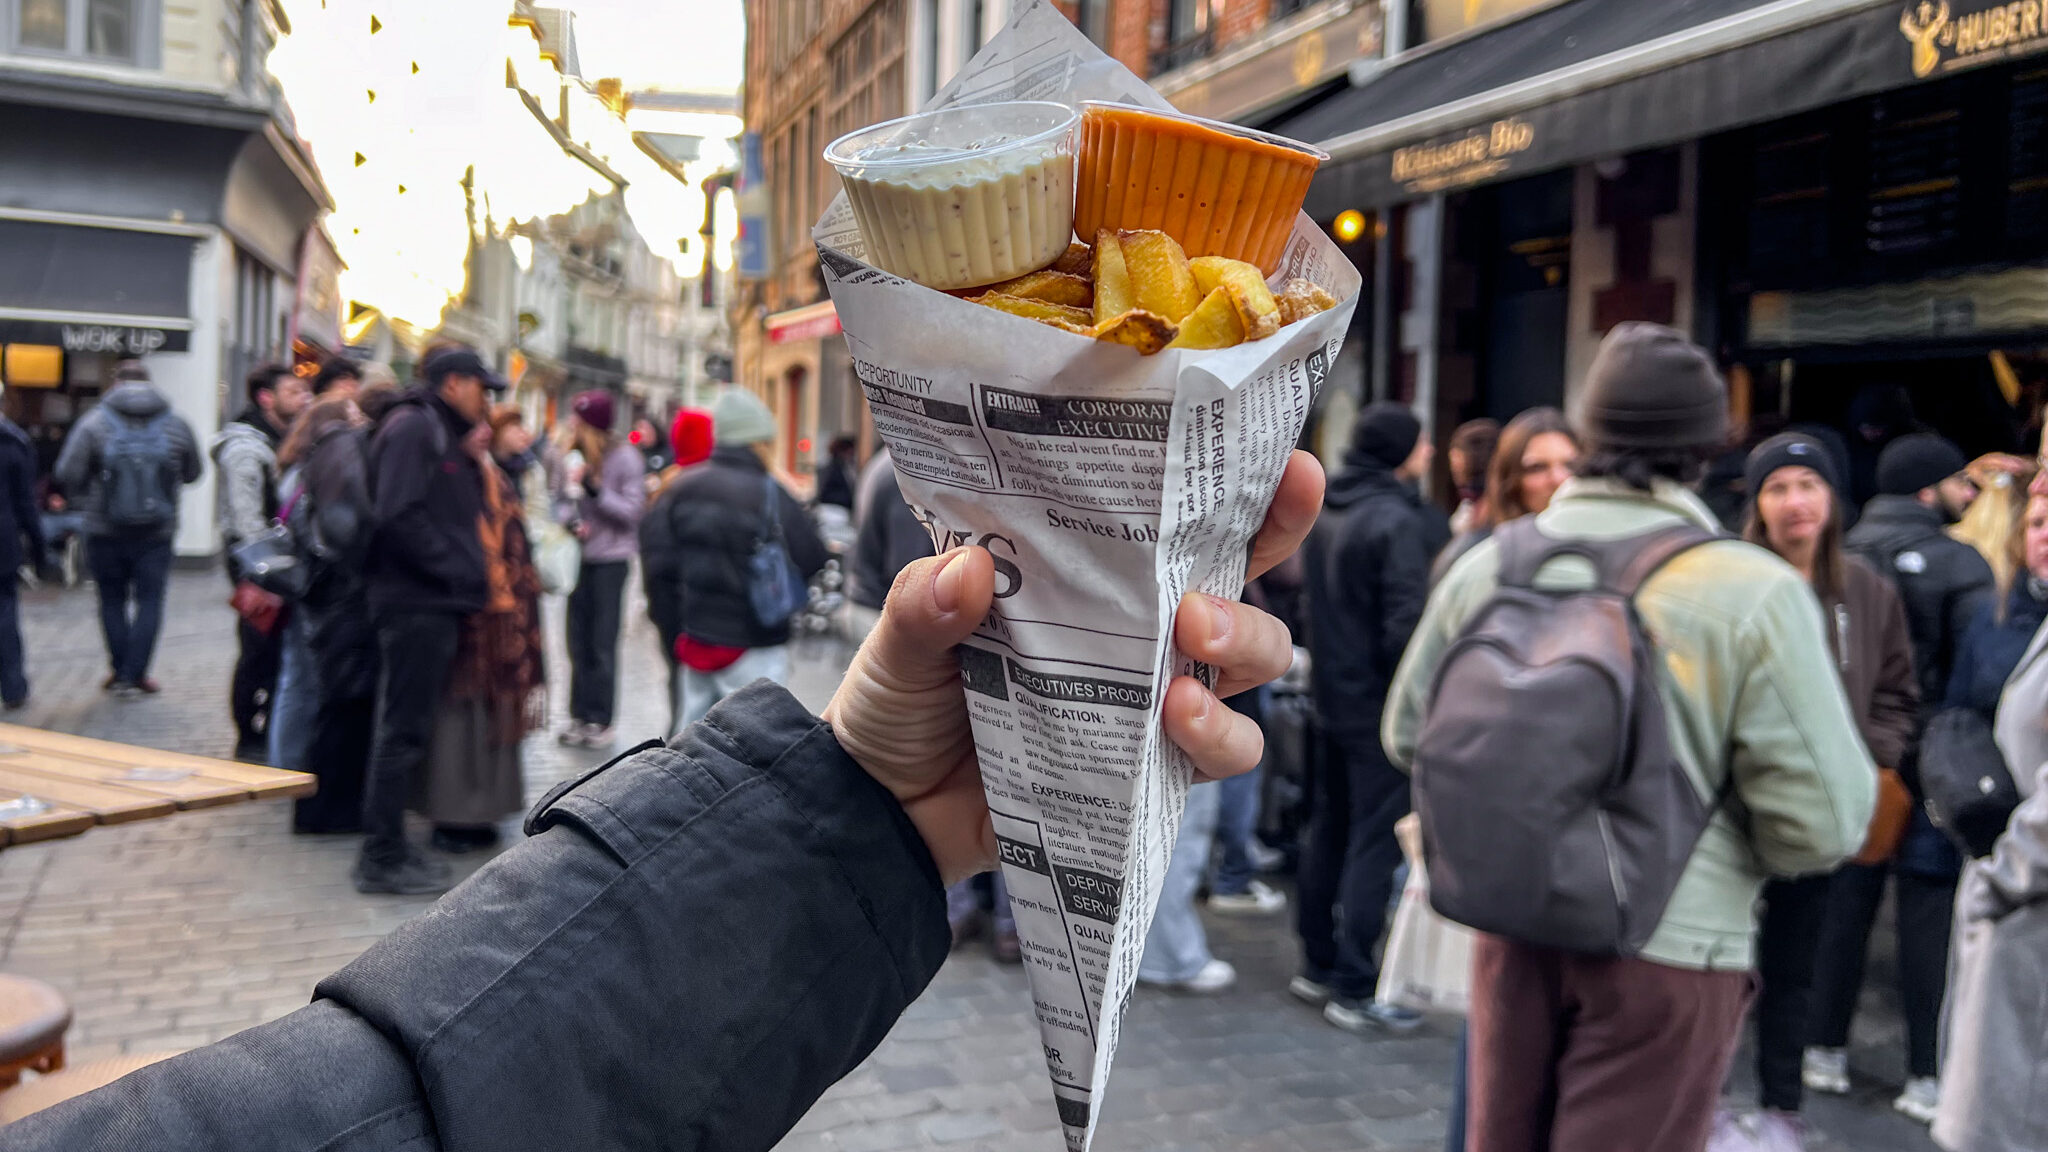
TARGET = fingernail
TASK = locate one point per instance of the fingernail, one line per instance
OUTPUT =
(946, 585)
(1204, 705)
(1220, 617)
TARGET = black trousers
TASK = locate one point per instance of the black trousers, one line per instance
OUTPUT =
(594, 609)
(1926, 914)
(417, 650)
(1788, 950)
(1347, 872)
(339, 756)
(255, 685)
(129, 569)
(13, 664)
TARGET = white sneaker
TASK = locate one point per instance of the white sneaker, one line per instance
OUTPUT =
(1266, 859)
(1314, 993)
(1215, 976)
(1826, 1070)
(1920, 1099)
(1258, 899)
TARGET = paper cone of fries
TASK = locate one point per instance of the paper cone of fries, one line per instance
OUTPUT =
(1109, 421)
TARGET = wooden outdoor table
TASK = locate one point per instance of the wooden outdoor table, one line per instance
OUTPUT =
(53, 784)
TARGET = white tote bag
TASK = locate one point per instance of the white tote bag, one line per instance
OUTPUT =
(1428, 965)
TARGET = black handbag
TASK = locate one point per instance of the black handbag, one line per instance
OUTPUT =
(270, 560)
(1964, 780)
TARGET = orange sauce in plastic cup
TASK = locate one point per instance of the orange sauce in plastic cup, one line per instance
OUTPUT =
(1218, 189)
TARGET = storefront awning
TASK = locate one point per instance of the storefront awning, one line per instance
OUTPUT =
(1591, 78)
(812, 322)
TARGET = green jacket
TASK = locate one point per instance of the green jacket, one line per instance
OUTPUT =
(1749, 690)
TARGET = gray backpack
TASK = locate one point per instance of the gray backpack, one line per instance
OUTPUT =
(138, 476)
(1553, 810)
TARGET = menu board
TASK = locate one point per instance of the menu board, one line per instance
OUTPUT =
(1915, 203)
(1788, 224)
(2026, 197)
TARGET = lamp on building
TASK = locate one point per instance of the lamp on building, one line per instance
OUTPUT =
(1350, 225)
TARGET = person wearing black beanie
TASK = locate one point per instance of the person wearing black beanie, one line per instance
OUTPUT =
(1925, 462)
(1944, 582)
(1366, 568)
(1795, 510)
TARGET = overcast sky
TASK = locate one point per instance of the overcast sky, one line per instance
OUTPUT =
(695, 44)
(395, 163)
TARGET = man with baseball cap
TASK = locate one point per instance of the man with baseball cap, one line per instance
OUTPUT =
(425, 573)
(1627, 1052)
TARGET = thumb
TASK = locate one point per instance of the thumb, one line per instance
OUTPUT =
(935, 604)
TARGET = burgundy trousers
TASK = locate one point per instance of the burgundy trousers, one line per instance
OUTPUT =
(1574, 1053)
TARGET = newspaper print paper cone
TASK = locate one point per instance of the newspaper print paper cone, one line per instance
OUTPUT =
(1105, 484)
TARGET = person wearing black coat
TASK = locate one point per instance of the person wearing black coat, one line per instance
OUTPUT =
(695, 941)
(1944, 584)
(890, 538)
(696, 547)
(1367, 568)
(332, 524)
(425, 574)
(19, 521)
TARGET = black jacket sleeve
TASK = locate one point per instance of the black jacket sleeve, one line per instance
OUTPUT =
(695, 943)
(1402, 581)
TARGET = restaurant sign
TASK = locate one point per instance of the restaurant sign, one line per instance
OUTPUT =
(109, 339)
(1482, 153)
(1943, 41)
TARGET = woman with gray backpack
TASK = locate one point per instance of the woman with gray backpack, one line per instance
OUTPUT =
(725, 553)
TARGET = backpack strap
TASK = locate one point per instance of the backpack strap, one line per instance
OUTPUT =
(1626, 565)
(1620, 566)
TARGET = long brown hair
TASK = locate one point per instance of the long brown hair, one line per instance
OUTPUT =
(1830, 563)
(306, 430)
(1504, 475)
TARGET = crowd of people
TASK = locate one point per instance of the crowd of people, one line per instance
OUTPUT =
(1721, 855)
(387, 550)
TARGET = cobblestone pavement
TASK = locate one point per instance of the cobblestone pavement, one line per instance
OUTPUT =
(169, 934)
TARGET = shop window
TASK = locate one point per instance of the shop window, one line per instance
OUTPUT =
(110, 30)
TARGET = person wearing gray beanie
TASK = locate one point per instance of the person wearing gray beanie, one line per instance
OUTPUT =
(1762, 725)
(699, 548)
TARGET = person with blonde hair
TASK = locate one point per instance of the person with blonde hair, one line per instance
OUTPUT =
(1995, 524)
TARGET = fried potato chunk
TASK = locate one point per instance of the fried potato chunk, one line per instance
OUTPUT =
(1049, 286)
(1113, 295)
(1148, 332)
(1035, 309)
(1256, 307)
(1161, 281)
(1301, 299)
(1215, 323)
(1077, 260)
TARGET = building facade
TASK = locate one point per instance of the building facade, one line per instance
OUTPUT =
(1836, 197)
(155, 202)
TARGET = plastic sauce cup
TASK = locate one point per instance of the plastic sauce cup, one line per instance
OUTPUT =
(1219, 189)
(964, 196)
